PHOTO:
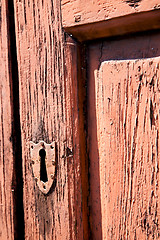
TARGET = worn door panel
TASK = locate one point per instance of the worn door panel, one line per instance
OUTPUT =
(123, 119)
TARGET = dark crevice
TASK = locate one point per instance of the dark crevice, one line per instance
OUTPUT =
(152, 120)
(43, 170)
(17, 181)
(133, 3)
(83, 123)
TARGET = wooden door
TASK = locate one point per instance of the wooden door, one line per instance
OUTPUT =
(99, 102)
(123, 136)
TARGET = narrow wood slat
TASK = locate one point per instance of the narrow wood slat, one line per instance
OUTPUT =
(6, 152)
(75, 190)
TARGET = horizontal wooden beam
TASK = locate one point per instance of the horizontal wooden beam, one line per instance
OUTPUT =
(127, 24)
(78, 12)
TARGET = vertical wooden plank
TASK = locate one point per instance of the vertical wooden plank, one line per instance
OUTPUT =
(76, 215)
(6, 151)
(75, 65)
(42, 109)
(48, 112)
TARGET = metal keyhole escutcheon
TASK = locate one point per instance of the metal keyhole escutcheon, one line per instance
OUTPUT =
(43, 159)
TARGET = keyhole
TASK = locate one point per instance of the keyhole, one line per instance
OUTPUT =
(43, 171)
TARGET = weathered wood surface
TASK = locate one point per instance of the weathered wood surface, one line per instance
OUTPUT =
(6, 152)
(123, 120)
(48, 112)
(78, 12)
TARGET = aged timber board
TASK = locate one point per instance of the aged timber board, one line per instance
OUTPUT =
(48, 112)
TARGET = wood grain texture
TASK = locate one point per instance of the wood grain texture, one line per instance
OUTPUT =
(6, 150)
(49, 112)
(123, 105)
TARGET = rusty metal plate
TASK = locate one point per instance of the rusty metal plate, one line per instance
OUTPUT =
(43, 158)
